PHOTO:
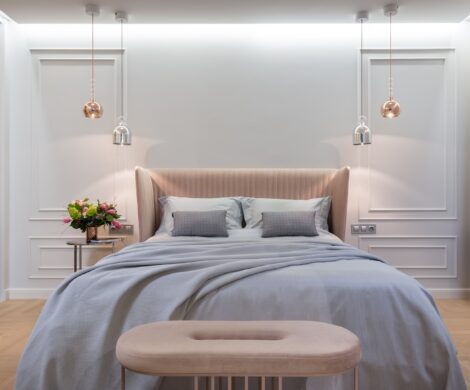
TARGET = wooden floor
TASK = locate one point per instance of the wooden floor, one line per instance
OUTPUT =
(17, 319)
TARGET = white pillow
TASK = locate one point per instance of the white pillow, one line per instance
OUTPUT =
(170, 204)
(254, 207)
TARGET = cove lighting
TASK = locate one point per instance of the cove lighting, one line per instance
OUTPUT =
(5, 17)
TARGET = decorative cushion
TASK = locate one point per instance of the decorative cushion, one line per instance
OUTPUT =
(289, 223)
(254, 207)
(200, 223)
(170, 204)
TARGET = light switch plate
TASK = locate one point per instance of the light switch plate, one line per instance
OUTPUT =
(361, 228)
(126, 230)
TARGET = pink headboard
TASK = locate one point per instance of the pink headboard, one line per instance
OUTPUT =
(261, 183)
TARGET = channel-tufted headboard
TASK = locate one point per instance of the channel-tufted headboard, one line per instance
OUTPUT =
(261, 183)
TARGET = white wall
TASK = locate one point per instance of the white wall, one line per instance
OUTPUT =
(240, 96)
(463, 48)
(3, 170)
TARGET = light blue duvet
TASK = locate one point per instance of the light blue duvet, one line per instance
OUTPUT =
(405, 343)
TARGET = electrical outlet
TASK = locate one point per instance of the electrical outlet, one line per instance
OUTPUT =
(359, 228)
(126, 230)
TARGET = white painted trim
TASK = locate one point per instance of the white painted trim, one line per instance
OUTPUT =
(103, 50)
(29, 293)
(370, 236)
(410, 50)
(38, 56)
(441, 212)
(450, 293)
(443, 266)
(450, 266)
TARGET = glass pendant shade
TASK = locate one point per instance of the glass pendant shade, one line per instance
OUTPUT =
(390, 109)
(92, 110)
(121, 134)
(362, 134)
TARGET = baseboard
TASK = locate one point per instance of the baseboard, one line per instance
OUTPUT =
(450, 293)
(29, 293)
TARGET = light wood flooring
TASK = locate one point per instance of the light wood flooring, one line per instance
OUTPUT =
(17, 319)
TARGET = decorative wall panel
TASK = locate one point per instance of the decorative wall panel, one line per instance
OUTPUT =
(411, 168)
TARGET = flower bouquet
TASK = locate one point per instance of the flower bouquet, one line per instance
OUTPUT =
(88, 216)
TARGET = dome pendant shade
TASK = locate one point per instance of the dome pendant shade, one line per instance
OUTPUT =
(362, 134)
(121, 134)
(92, 110)
(390, 109)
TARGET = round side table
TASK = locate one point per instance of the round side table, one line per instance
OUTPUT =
(80, 243)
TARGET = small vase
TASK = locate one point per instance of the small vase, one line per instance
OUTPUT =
(91, 234)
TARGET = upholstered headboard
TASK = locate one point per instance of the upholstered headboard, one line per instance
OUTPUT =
(262, 183)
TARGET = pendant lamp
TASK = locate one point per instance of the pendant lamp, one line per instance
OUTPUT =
(121, 133)
(362, 135)
(92, 109)
(391, 108)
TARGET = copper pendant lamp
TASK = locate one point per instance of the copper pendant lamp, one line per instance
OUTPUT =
(121, 133)
(362, 135)
(92, 109)
(391, 108)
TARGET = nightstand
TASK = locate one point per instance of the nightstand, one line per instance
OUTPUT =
(80, 243)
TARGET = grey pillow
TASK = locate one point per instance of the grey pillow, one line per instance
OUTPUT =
(254, 207)
(289, 223)
(200, 223)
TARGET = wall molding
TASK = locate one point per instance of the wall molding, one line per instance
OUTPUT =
(443, 266)
(60, 270)
(448, 269)
(448, 209)
(38, 57)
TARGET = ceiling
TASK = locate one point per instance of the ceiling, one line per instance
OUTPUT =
(234, 11)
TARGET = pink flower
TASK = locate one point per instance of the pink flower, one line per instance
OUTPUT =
(104, 206)
(67, 220)
(85, 209)
(117, 224)
(111, 211)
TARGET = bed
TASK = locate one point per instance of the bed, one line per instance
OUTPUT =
(241, 277)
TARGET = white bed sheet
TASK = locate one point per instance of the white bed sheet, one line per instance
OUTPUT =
(247, 235)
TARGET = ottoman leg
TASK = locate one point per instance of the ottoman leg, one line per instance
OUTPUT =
(356, 377)
(123, 378)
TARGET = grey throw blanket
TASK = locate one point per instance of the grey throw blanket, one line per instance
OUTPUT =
(405, 344)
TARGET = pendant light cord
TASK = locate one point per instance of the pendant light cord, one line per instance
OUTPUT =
(122, 69)
(361, 76)
(390, 64)
(93, 57)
